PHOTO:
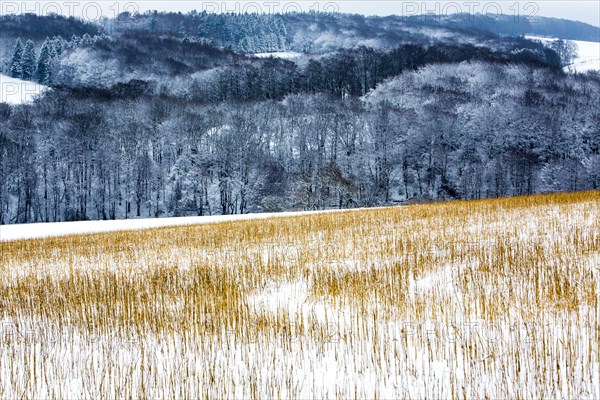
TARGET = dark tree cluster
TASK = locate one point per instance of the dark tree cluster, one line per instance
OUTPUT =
(39, 27)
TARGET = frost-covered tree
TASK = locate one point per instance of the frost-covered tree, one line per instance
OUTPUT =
(28, 61)
(86, 40)
(16, 66)
(58, 44)
(566, 50)
(45, 61)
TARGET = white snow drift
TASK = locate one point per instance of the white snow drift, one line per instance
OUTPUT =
(16, 91)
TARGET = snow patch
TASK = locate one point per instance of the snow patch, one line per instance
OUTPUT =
(292, 300)
(16, 91)
(288, 55)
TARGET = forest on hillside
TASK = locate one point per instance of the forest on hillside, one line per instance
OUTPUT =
(141, 121)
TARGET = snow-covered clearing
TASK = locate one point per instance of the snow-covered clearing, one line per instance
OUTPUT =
(16, 91)
(588, 54)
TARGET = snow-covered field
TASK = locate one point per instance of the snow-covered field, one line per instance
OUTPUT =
(588, 55)
(17, 91)
(495, 299)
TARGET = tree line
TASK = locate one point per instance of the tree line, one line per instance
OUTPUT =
(445, 131)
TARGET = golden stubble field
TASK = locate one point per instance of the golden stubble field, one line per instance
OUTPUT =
(495, 298)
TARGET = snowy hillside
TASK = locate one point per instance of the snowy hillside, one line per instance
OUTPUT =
(588, 57)
(17, 91)
(588, 54)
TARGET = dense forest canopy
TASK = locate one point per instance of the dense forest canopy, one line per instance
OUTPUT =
(170, 114)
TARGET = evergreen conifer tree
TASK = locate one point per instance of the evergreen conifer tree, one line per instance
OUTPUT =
(28, 60)
(16, 69)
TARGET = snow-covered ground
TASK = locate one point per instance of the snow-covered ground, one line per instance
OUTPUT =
(588, 57)
(16, 91)
(41, 230)
(429, 339)
(280, 54)
(588, 54)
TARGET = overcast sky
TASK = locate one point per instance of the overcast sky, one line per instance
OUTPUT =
(586, 11)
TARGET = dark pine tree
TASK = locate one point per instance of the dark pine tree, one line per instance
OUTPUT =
(16, 69)
(28, 60)
(45, 63)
